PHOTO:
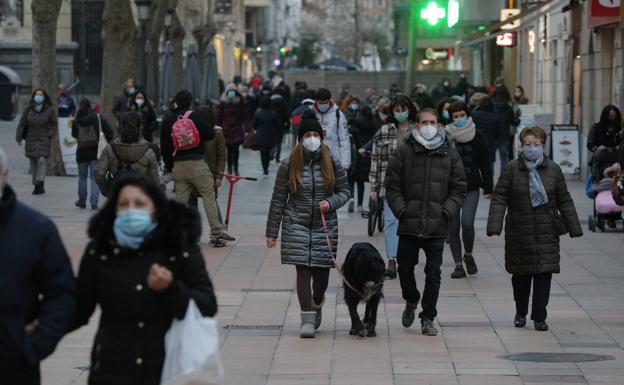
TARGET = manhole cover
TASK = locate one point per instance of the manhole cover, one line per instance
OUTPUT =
(557, 357)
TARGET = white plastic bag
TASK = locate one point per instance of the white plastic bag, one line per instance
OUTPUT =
(192, 351)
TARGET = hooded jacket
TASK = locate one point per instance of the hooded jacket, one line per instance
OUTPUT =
(336, 134)
(34, 262)
(424, 187)
(232, 117)
(89, 121)
(531, 233)
(129, 346)
(138, 155)
(299, 216)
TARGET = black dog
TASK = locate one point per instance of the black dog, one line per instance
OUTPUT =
(364, 270)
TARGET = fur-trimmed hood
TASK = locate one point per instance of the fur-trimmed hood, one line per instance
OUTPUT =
(181, 230)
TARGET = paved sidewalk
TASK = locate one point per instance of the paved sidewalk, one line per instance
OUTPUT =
(259, 311)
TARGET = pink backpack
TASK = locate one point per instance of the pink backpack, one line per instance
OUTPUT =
(184, 134)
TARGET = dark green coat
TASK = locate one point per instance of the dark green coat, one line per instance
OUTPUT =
(423, 188)
(531, 236)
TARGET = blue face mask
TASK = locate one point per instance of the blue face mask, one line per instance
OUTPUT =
(132, 226)
(461, 122)
(231, 94)
(323, 107)
(401, 116)
(445, 114)
(532, 153)
(354, 107)
(39, 99)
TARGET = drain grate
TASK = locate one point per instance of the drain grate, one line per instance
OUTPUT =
(257, 330)
(260, 290)
(557, 357)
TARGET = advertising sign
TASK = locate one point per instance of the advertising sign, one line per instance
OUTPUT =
(603, 12)
(565, 148)
(506, 39)
(68, 146)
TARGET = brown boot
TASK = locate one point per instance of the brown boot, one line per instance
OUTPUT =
(471, 265)
(459, 272)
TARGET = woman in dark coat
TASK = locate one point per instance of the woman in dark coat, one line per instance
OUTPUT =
(233, 119)
(309, 183)
(139, 102)
(86, 153)
(533, 192)
(487, 122)
(37, 127)
(362, 130)
(142, 266)
(607, 133)
(508, 122)
(265, 125)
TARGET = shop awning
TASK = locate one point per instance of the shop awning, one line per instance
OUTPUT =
(527, 16)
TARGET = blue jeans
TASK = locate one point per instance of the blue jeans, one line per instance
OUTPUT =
(87, 169)
(391, 224)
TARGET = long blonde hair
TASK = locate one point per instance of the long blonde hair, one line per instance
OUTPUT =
(295, 169)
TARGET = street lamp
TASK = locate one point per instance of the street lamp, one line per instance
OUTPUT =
(168, 21)
(143, 7)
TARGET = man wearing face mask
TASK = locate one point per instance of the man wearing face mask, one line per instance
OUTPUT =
(425, 184)
(334, 125)
(37, 287)
(120, 107)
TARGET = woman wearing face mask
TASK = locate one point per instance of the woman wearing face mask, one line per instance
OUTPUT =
(351, 112)
(442, 108)
(141, 266)
(309, 183)
(607, 133)
(385, 143)
(142, 104)
(473, 150)
(533, 192)
(37, 127)
(233, 118)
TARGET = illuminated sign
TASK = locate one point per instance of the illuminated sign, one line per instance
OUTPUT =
(531, 38)
(506, 39)
(507, 14)
(437, 53)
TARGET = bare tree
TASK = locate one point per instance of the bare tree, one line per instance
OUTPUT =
(177, 42)
(156, 24)
(120, 57)
(45, 15)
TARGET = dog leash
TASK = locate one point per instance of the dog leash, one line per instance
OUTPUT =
(331, 252)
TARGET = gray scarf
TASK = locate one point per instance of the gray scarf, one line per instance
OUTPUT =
(461, 135)
(433, 143)
(537, 193)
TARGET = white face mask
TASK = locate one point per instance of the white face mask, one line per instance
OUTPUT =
(428, 132)
(312, 143)
(139, 102)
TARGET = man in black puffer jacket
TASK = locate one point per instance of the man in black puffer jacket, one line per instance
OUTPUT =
(425, 184)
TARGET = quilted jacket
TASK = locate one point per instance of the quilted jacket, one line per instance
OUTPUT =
(298, 213)
(531, 234)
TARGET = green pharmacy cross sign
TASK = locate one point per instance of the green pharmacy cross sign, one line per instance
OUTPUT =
(433, 13)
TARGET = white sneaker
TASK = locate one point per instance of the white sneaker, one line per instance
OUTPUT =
(359, 209)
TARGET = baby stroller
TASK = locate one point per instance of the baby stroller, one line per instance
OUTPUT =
(603, 167)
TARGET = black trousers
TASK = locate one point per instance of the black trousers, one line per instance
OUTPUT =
(360, 189)
(407, 259)
(265, 158)
(541, 294)
(233, 151)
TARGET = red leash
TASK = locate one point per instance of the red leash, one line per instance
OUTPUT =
(232, 179)
(331, 252)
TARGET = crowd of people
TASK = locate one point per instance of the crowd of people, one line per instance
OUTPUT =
(427, 156)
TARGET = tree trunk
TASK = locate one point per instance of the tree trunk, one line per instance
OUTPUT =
(120, 52)
(177, 38)
(45, 15)
(154, 32)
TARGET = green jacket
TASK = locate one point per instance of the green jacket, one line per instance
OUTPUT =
(531, 234)
(216, 152)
